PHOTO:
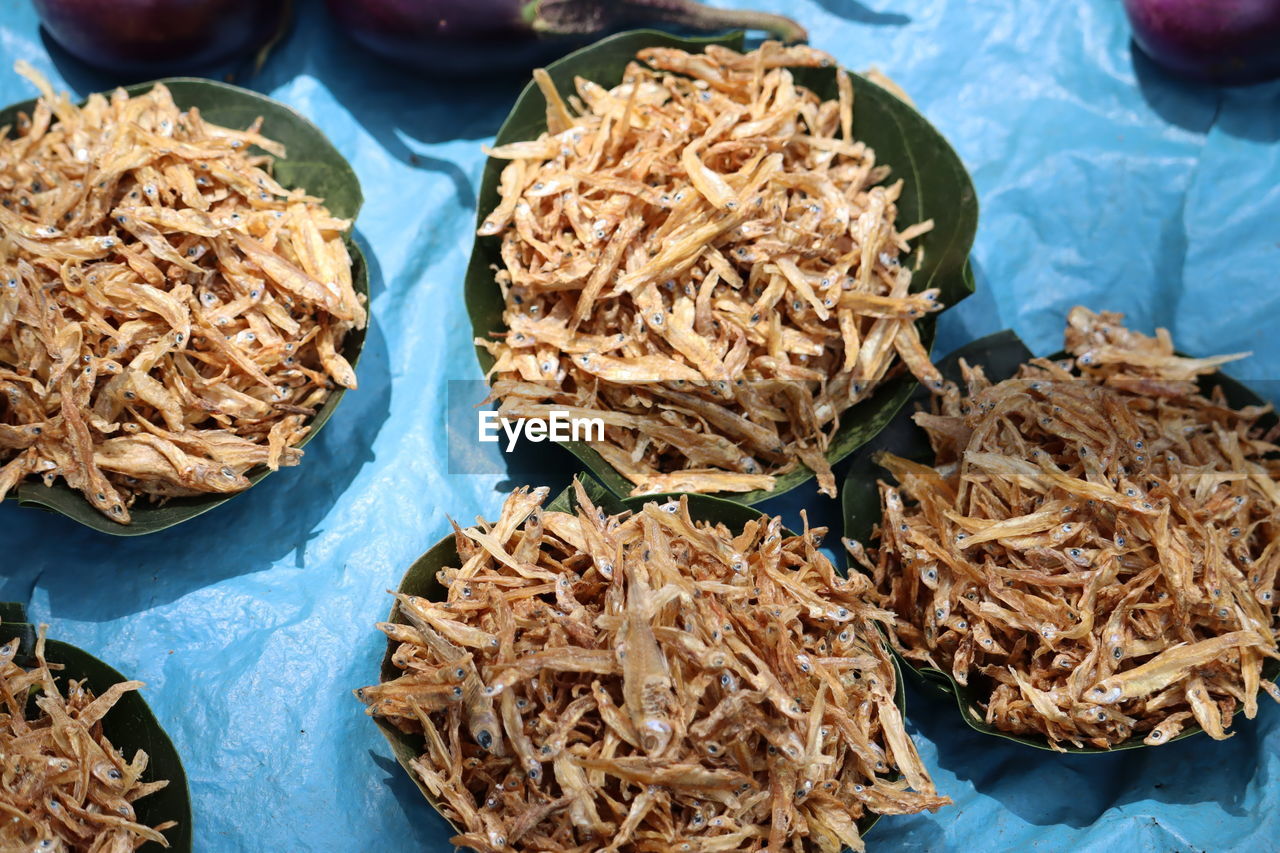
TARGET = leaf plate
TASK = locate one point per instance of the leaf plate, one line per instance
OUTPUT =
(1000, 355)
(937, 186)
(314, 163)
(421, 581)
(129, 725)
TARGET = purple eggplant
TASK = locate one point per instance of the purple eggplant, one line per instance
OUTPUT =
(466, 37)
(1220, 41)
(159, 37)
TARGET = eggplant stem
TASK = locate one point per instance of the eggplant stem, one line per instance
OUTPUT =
(282, 27)
(702, 17)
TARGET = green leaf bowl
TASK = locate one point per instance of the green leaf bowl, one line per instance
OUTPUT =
(936, 186)
(1000, 355)
(421, 581)
(312, 162)
(129, 725)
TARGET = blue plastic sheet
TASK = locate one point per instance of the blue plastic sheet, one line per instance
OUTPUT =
(1101, 182)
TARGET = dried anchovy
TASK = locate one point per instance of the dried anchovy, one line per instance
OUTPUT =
(706, 259)
(1095, 547)
(63, 786)
(648, 682)
(170, 316)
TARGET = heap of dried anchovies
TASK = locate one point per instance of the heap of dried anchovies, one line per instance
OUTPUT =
(705, 258)
(63, 786)
(1096, 546)
(648, 682)
(170, 316)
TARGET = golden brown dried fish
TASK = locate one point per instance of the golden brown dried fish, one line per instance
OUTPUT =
(169, 315)
(661, 682)
(65, 787)
(1094, 548)
(703, 257)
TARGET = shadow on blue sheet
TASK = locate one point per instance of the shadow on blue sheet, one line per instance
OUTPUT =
(1101, 183)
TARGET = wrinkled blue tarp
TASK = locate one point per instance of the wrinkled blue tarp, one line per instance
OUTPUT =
(1101, 183)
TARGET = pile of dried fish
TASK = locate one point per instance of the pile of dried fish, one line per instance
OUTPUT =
(706, 259)
(1096, 547)
(170, 316)
(648, 682)
(62, 784)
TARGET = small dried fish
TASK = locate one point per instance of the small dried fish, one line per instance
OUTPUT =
(65, 787)
(707, 230)
(664, 685)
(1094, 548)
(170, 317)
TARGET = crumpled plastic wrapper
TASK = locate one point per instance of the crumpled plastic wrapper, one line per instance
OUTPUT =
(1101, 181)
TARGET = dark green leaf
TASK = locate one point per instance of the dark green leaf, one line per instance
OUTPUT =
(421, 581)
(129, 725)
(12, 611)
(937, 186)
(1000, 356)
(312, 163)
